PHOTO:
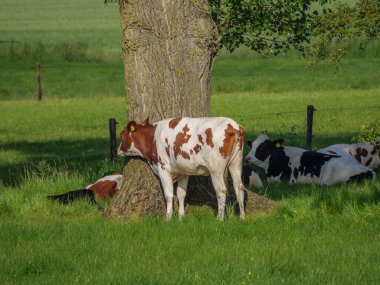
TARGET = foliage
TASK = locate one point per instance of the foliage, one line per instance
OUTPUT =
(273, 27)
(335, 31)
(269, 27)
(368, 133)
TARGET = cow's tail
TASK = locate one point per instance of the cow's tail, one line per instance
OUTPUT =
(238, 145)
(69, 197)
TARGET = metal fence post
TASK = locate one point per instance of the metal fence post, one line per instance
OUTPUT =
(112, 126)
(39, 88)
(309, 130)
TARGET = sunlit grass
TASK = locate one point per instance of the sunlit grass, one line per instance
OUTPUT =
(316, 235)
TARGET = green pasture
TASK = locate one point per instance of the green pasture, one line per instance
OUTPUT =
(316, 235)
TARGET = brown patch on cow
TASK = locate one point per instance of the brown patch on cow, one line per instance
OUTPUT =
(174, 122)
(197, 148)
(167, 148)
(161, 163)
(368, 162)
(360, 152)
(185, 155)
(126, 140)
(104, 189)
(181, 139)
(209, 141)
(230, 136)
(200, 138)
(143, 139)
(331, 152)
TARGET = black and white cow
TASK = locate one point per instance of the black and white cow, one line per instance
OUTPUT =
(296, 165)
(250, 178)
(367, 154)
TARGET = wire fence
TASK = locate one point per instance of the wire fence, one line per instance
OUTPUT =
(294, 135)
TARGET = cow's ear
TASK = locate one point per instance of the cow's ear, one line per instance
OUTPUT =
(278, 143)
(146, 122)
(131, 127)
(249, 143)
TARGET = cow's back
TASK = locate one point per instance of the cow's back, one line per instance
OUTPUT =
(195, 145)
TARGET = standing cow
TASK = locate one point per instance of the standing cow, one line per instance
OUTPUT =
(178, 147)
(367, 154)
(297, 165)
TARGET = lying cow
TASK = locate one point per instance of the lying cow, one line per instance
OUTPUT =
(367, 154)
(250, 178)
(177, 148)
(296, 165)
(101, 190)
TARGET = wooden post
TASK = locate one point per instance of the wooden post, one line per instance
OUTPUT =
(112, 126)
(309, 130)
(39, 90)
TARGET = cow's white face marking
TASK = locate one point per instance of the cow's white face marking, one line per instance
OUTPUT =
(251, 156)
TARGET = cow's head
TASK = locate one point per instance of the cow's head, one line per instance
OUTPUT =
(375, 154)
(261, 149)
(135, 138)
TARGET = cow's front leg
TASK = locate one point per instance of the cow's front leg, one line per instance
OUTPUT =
(181, 194)
(167, 184)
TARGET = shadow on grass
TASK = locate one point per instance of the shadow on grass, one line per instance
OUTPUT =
(79, 156)
(87, 155)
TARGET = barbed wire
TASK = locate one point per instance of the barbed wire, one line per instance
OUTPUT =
(304, 111)
(104, 127)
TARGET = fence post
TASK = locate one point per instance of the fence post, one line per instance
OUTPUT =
(309, 130)
(112, 126)
(39, 88)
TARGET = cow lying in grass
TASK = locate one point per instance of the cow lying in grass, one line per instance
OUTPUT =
(250, 178)
(366, 154)
(177, 148)
(103, 189)
(296, 165)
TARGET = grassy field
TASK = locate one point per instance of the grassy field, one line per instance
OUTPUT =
(317, 235)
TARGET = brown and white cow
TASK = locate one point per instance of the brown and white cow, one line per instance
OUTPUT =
(103, 189)
(367, 154)
(178, 147)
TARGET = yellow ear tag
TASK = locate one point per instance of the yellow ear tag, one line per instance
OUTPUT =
(278, 145)
(132, 129)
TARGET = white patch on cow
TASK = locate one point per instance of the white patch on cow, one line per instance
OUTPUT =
(371, 160)
(251, 158)
(255, 180)
(131, 151)
(118, 178)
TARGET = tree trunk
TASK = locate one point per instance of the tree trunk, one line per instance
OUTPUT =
(168, 49)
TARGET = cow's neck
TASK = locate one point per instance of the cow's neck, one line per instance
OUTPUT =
(144, 142)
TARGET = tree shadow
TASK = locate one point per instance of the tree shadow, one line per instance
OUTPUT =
(69, 155)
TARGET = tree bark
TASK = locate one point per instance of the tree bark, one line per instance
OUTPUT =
(168, 49)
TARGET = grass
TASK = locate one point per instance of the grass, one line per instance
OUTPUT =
(317, 235)
(305, 241)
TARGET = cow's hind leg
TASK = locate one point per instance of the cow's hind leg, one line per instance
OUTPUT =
(235, 169)
(220, 189)
(181, 194)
